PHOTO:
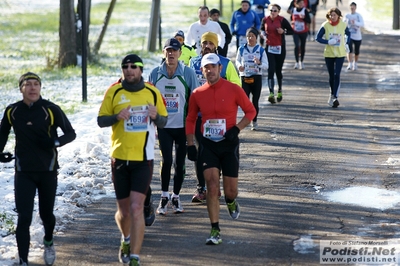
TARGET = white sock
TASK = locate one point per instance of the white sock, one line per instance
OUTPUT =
(165, 194)
(174, 195)
(127, 239)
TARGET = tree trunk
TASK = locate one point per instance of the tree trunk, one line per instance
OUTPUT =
(67, 32)
(97, 45)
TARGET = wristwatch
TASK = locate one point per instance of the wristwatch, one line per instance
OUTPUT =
(56, 143)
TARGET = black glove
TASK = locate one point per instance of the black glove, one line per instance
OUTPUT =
(232, 133)
(6, 157)
(192, 153)
(46, 143)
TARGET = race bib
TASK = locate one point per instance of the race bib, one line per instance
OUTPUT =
(172, 102)
(353, 29)
(250, 68)
(275, 49)
(336, 36)
(242, 40)
(214, 129)
(299, 26)
(138, 119)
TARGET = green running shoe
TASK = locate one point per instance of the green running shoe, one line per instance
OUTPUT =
(279, 98)
(214, 238)
(271, 97)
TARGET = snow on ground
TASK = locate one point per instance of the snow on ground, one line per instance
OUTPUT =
(85, 168)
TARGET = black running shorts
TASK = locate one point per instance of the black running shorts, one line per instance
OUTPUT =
(223, 155)
(130, 176)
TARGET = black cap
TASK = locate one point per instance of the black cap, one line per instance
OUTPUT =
(245, 1)
(29, 75)
(252, 30)
(180, 33)
(132, 58)
(214, 11)
(172, 43)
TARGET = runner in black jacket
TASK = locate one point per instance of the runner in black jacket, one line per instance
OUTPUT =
(35, 122)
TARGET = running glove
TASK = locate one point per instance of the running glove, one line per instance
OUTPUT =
(6, 157)
(332, 41)
(192, 153)
(232, 133)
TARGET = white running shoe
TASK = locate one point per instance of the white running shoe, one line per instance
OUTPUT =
(254, 126)
(301, 65)
(350, 66)
(176, 205)
(355, 66)
(49, 255)
(163, 206)
(296, 66)
(330, 101)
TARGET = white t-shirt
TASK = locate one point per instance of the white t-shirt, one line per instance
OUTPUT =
(354, 22)
(196, 30)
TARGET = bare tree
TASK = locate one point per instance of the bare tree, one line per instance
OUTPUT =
(67, 32)
(97, 45)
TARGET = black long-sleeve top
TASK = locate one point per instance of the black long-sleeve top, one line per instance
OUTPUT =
(35, 128)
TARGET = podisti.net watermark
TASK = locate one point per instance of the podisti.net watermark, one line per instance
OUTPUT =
(376, 252)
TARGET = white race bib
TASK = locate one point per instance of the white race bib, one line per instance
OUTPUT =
(299, 26)
(250, 68)
(138, 119)
(336, 36)
(242, 40)
(275, 49)
(214, 129)
(172, 101)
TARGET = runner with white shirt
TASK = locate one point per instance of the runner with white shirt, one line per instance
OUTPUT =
(175, 82)
(198, 28)
(251, 60)
(354, 23)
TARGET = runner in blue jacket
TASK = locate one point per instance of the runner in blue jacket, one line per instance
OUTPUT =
(242, 19)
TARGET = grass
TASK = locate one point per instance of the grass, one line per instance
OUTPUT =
(30, 41)
(382, 9)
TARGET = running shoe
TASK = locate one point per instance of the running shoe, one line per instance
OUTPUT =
(162, 207)
(335, 103)
(350, 66)
(355, 66)
(254, 126)
(279, 97)
(301, 65)
(214, 238)
(200, 195)
(124, 251)
(149, 215)
(296, 66)
(271, 97)
(134, 262)
(176, 205)
(330, 100)
(49, 254)
(233, 209)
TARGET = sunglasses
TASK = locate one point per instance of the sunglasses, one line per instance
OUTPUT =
(179, 38)
(127, 66)
(273, 10)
